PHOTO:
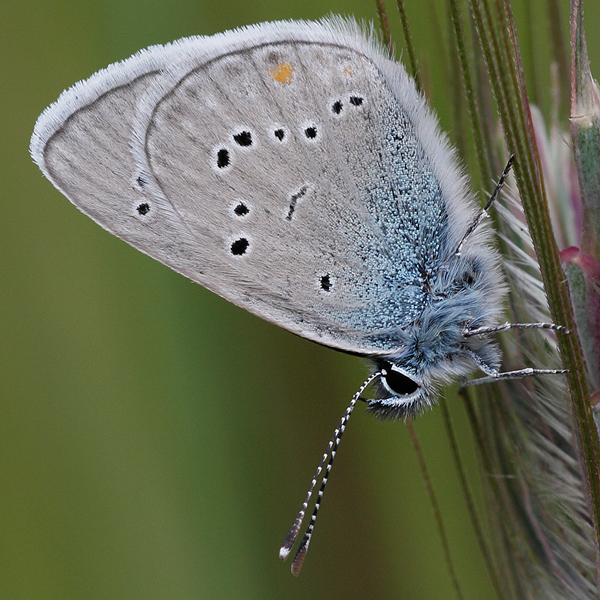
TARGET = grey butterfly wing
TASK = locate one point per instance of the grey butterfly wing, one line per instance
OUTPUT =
(82, 144)
(278, 167)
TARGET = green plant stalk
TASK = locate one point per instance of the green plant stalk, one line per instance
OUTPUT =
(475, 521)
(385, 25)
(585, 129)
(436, 509)
(559, 54)
(586, 139)
(585, 132)
(412, 57)
(586, 300)
(474, 114)
(501, 53)
(509, 583)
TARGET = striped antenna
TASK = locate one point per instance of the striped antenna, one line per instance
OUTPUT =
(484, 211)
(330, 453)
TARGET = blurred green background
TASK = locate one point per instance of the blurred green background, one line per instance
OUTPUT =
(156, 441)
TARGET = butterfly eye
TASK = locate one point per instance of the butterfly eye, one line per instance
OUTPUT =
(397, 383)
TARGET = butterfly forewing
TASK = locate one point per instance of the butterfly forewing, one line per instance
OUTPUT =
(277, 166)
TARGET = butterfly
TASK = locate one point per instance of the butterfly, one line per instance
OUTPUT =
(294, 169)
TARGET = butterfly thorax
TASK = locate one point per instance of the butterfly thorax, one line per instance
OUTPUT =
(433, 349)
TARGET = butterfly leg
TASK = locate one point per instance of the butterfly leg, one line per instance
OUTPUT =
(494, 375)
(507, 326)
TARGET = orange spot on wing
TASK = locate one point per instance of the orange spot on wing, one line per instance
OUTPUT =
(283, 73)
(348, 71)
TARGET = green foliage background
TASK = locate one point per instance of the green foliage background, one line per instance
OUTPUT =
(156, 441)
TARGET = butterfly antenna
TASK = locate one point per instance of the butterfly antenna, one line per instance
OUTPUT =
(330, 453)
(303, 546)
(483, 214)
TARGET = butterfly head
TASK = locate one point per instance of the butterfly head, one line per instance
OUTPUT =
(400, 394)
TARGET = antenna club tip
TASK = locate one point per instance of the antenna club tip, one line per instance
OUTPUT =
(331, 451)
(298, 562)
(300, 555)
(296, 571)
(291, 536)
